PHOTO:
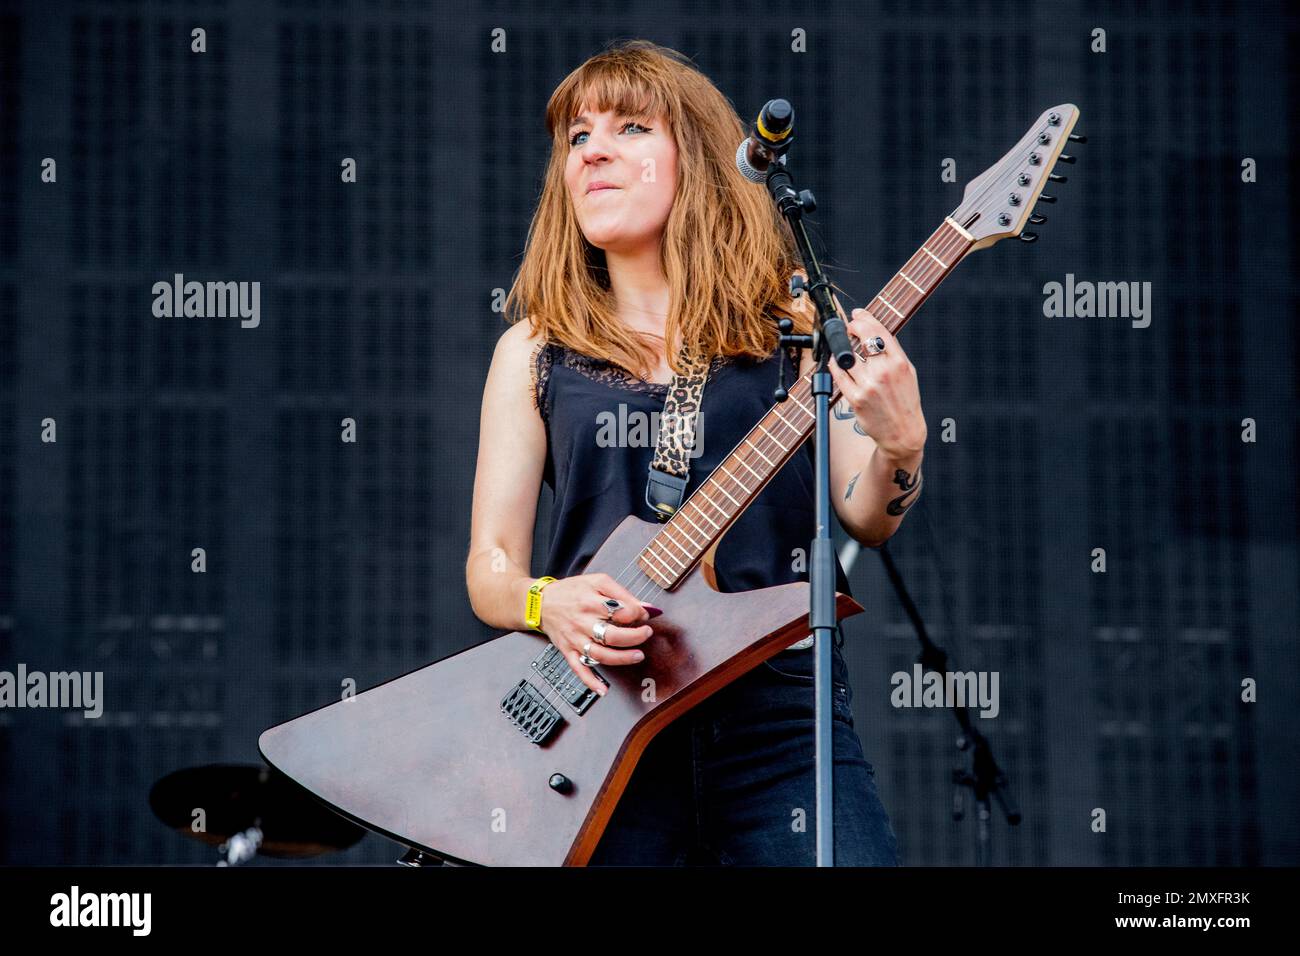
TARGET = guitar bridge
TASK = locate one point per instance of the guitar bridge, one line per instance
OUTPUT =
(534, 715)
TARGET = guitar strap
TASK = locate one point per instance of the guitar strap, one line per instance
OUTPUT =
(670, 470)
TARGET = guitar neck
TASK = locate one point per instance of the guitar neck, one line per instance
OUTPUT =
(720, 499)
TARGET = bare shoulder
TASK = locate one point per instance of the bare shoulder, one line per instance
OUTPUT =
(512, 379)
(518, 342)
(516, 351)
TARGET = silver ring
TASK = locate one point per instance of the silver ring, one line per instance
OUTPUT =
(875, 345)
(587, 660)
(598, 632)
(614, 605)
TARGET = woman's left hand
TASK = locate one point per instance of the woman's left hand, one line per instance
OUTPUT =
(882, 390)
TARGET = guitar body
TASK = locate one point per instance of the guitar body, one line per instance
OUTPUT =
(432, 760)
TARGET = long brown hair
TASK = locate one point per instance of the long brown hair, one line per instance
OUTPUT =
(727, 252)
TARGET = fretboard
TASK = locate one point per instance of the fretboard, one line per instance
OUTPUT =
(720, 499)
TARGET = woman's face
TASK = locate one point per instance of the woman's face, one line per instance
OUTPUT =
(639, 160)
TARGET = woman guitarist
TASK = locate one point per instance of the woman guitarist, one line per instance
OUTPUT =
(646, 234)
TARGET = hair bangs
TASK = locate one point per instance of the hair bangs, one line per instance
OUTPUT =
(606, 87)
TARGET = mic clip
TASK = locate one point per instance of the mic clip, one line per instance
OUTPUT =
(787, 338)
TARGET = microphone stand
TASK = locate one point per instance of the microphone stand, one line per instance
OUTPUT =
(829, 338)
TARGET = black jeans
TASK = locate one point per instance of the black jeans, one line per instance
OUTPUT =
(733, 781)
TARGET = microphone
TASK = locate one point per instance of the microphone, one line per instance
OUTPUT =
(770, 136)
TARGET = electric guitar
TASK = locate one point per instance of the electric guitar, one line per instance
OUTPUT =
(499, 754)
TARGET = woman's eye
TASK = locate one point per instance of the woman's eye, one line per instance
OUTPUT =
(574, 137)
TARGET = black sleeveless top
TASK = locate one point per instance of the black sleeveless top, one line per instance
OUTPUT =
(599, 482)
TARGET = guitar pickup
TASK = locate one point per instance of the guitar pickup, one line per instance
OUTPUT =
(552, 668)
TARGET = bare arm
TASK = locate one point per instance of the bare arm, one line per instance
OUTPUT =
(507, 481)
(511, 459)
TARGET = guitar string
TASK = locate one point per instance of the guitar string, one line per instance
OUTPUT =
(947, 244)
(983, 202)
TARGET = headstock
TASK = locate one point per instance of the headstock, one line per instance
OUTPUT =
(1000, 201)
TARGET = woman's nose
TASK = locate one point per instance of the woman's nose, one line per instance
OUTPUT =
(595, 148)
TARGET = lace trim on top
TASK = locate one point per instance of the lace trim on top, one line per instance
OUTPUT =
(600, 370)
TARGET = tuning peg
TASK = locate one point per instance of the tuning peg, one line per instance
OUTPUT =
(1046, 198)
(1053, 177)
(1028, 237)
(1063, 158)
(1076, 138)
(1037, 220)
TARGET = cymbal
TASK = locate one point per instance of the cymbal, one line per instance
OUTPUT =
(234, 797)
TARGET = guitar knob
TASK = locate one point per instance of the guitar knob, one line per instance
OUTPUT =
(1046, 198)
(1056, 179)
(1064, 158)
(560, 783)
(1076, 138)
(1037, 220)
(1028, 237)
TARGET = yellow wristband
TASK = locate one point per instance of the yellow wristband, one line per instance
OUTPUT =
(533, 607)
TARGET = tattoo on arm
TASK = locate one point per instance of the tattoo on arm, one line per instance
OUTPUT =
(852, 481)
(911, 485)
(842, 410)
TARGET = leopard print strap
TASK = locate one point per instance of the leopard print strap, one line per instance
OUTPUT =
(677, 439)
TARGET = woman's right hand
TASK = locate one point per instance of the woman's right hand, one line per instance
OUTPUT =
(572, 606)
